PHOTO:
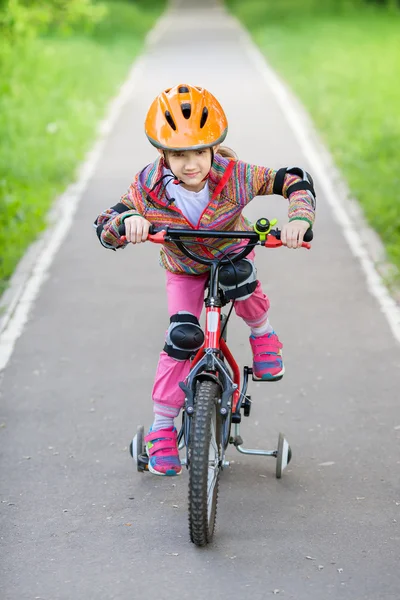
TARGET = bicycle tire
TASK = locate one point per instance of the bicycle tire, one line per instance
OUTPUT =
(204, 463)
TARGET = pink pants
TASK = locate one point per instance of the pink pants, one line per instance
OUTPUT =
(186, 292)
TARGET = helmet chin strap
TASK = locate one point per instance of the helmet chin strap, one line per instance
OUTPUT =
(178, 181)
(175, 181)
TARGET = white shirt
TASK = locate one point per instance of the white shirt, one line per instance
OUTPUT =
(191, 204)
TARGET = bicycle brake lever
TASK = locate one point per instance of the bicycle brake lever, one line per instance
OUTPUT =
(157, 238)
(273, 239)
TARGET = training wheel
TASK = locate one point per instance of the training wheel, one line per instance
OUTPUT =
(136, 448)
(283, 455)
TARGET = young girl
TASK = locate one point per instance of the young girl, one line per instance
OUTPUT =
(199, 184)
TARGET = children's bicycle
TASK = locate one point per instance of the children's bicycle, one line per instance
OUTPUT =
(215, 397)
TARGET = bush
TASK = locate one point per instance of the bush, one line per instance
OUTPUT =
(20, 19)
(345, 68)
(60, 63)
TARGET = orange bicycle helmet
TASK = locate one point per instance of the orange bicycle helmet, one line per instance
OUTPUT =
(185, 118)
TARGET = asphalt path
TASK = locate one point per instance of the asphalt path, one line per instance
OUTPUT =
(78, 522)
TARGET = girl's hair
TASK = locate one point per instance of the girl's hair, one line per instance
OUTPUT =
(223, 151)
(226, 152)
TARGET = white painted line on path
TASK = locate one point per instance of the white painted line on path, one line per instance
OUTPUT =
(296, 121)
(28, 279)
(23, 293)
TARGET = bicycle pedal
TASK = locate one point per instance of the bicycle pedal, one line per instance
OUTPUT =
(246, 405)
(143, 462)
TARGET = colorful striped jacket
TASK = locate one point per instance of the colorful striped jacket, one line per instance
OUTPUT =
(232, 185)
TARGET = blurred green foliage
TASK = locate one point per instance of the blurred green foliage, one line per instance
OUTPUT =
(60, 63)
(256, 12)
(22, 18)
(343, 60)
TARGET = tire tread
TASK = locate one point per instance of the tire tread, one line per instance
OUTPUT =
(201, 531)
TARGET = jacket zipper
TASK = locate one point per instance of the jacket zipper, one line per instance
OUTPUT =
(217, 190)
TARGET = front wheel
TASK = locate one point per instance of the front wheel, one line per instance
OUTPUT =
(204, 462)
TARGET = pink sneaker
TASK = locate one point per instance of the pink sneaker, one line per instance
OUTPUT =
(267, 357)
(162, 450)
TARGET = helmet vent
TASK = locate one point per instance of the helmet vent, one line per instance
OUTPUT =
(204, 117)
(170, 120)
(183, 90)
(186, 110)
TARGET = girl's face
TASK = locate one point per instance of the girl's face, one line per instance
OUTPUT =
(190, 166)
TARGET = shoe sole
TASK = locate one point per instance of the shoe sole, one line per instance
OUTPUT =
(169, 473)
(273, 378)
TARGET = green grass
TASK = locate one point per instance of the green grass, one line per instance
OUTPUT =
(344, 65)
(53, 92)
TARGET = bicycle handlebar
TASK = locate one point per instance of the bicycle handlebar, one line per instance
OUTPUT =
(154, 234)
(269, 238)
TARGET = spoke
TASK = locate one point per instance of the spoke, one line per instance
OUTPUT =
(213, 448)
(211, 482)
(213, 466)
(211, 486)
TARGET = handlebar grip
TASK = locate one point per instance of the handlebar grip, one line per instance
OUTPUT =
(308, 236)
(122, 231)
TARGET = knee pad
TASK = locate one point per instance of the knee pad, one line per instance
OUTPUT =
(184, 336)
(238, 280)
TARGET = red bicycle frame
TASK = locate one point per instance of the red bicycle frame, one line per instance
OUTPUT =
(213, 341)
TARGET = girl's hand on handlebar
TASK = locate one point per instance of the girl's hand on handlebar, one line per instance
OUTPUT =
(136, 229)
(292, 233)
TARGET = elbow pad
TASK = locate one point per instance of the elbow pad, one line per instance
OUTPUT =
(305, 184)
(118, 209)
